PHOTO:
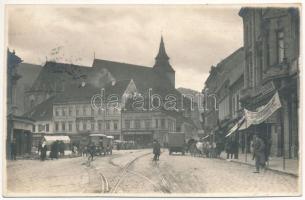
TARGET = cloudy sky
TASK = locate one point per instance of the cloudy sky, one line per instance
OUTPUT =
(195, 37)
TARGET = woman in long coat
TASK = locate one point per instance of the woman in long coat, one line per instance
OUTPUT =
(259, 153)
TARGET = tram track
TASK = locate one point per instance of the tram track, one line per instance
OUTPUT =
(125, 171)
(102, 185)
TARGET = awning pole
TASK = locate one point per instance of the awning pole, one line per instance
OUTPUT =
(268, 144)
(283, 137)
(246, 140)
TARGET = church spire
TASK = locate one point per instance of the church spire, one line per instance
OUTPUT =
(162, 66)
(162, 59)
(162, 53)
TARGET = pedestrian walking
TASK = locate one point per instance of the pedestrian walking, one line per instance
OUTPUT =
(259, 153)
(235, 147)
(156, 150)
(228, 148)
(91, 149)
(43, 152)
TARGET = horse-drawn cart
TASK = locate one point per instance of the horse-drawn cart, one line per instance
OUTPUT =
(103, 143)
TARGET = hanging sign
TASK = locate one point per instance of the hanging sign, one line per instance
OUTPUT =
(263, 112)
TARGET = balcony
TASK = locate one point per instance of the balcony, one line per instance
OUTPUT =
(275, 72)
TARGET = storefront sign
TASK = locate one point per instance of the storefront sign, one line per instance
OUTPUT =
(263, 112)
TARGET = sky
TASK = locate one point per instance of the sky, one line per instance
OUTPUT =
(196, 37)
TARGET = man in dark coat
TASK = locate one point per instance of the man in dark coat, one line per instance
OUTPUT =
(156, 150)
(43, 151)
(91, 149)
(258, 152)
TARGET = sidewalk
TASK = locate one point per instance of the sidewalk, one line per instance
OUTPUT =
(275, 163)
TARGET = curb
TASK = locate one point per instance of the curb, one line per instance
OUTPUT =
(270, 169)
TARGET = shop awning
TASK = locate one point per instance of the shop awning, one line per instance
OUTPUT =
(264, 112)
(205, 137)
(110, 137)
(52, 138)
(236, 126)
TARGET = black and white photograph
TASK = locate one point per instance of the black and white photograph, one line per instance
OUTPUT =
(152, 100)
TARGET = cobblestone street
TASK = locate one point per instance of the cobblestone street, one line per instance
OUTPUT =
(133, 171)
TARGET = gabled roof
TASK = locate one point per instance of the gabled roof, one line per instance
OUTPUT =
(116, 88)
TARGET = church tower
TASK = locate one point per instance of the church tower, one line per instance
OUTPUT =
(162, 65)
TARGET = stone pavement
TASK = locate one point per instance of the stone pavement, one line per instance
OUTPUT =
(173, 174)
(275, 163)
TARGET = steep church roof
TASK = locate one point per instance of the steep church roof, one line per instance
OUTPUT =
(43, 111)
(54, 76)
(144, 77)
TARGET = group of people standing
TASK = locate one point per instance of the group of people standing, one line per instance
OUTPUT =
(57, 148)
(231, 148)
(204, 148)
(259, 148)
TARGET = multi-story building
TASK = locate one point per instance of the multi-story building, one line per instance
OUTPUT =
(19, 129)
(64, 92)
(222, 93)
(271, 43)
(144, 126)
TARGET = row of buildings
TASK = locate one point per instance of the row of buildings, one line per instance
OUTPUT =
(267, 63)
(65, 99)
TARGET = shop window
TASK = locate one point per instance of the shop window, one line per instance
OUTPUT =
(47, 127)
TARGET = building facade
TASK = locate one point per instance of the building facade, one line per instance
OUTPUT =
(144, 126)
(222, 93)
(62, 100)
(271, 43)
(19, 129)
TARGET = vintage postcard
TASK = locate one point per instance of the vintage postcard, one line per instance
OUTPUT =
(152, 100)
